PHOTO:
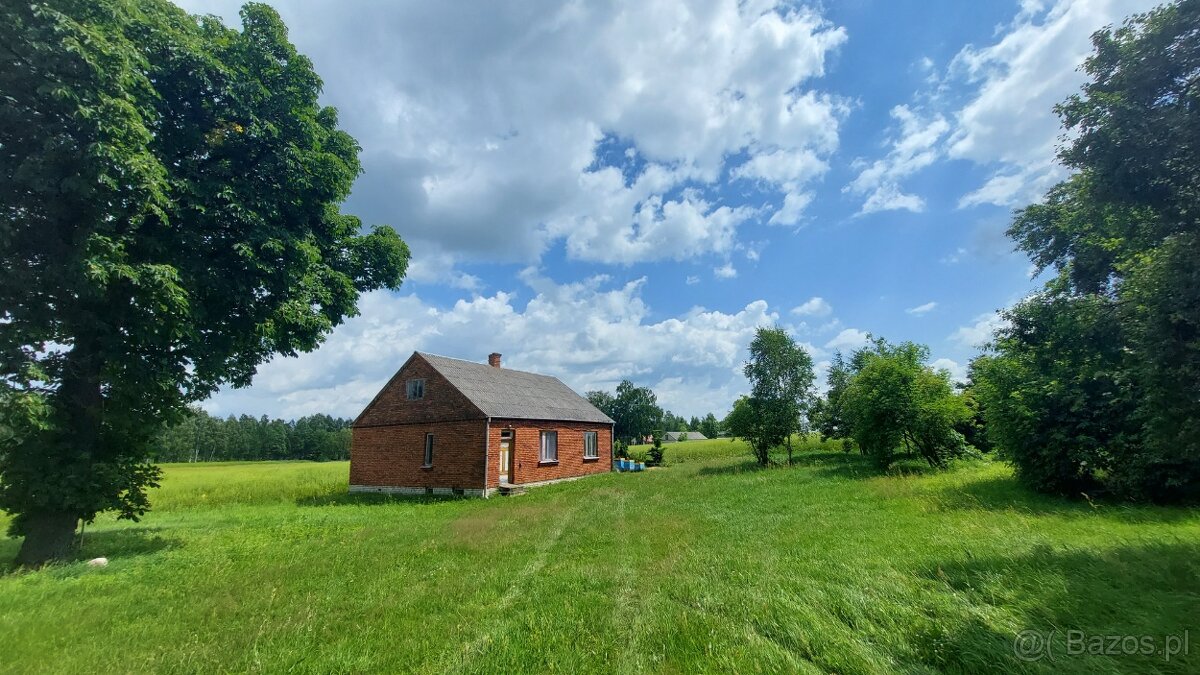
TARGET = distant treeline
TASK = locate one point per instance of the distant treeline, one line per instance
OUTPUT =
(204, 438)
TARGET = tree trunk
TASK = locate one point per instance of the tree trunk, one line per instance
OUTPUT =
(49, 536)
(50, 530)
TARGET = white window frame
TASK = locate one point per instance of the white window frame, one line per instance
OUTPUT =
(428, 450)
(548, 447)
(414, 389)
(591, 445)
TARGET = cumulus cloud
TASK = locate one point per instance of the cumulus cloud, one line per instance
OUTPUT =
(921, 310)
(958, 373)
(993, 107)
(914, 149)
(591, 334)
(848, 340)
(486, 123)
(814, 306)
(726, 271)
(979, 331)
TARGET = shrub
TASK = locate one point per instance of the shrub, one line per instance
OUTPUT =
(654, 455)
(894, 400)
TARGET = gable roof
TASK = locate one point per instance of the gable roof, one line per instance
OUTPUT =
(691, 435)
(506, 393)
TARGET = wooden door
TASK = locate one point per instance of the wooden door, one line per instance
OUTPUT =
(505, 457)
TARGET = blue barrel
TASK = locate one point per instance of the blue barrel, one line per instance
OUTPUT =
(622, 465)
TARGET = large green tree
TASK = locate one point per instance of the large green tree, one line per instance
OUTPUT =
(781, 380)
(169, 190)
(633, 409)
(635, 412)
(1123, 235)
(895, 401)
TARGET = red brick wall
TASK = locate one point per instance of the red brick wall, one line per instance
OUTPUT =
(527, 446)
(442, 402)
(392, 455)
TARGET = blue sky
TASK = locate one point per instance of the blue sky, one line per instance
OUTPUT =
(627, 190)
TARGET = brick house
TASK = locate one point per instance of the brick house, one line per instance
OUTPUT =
(448, 426)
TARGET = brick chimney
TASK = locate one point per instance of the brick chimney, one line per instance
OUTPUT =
(494, 360)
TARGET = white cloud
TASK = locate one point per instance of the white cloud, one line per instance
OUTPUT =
(814, 306)
(726, 271)
(692, 280)
(958, 373)
(793, 207)
(994, 108)
(1008, 124)
(434, 267)
(482, 121)
(848, 340)
(979, 332)
(590, 333)
(914, 149)
(921, 310)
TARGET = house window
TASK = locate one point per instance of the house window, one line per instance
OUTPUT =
(428, 449)
(590, 448)
(549, 452)
(415, 389)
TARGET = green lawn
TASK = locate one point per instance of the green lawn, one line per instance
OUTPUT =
(707, 565)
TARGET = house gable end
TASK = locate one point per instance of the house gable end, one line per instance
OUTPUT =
(442, 401)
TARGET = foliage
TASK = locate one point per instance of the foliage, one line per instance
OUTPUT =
(710, 427)
(603, 401)
(781, 379)
(959, 561)
(673, 422)
(741, 421)
(654, 456)
(828, 415)
(1123, 236)
(201, 437)
(170, 191)
(895, 400)
(634, 410)
(1059, 401)
(974, 427)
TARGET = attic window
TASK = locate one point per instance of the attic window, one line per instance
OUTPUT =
(415, 389)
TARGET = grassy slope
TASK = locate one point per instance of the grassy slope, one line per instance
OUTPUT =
(709, 564)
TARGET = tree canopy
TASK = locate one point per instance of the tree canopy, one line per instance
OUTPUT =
(894, 401)
(781, 379)
(170, 192)
(1095, 383)
(633, 409)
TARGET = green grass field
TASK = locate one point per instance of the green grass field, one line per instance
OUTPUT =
(709, 564)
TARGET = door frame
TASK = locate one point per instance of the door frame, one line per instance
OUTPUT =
(506, 472)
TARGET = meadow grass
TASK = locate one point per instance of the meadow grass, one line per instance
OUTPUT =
(709, 564)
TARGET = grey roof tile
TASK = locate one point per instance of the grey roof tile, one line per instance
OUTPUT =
(506, 393)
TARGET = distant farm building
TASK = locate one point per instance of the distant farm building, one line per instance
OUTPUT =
(674, 436)
(448, 426)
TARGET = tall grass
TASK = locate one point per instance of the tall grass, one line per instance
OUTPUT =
(708, 565)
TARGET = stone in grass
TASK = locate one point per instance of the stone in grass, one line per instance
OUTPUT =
(98, 562)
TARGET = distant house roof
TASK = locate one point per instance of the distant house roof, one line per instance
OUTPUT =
(691, 436)
(506, 393)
